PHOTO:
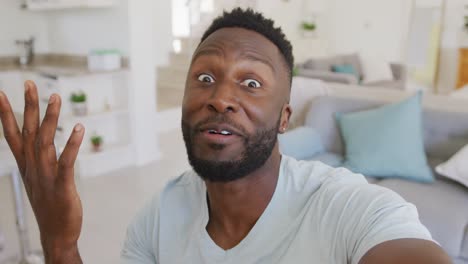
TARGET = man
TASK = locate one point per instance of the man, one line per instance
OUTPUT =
(244, 202)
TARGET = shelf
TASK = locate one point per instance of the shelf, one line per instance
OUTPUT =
(57, 5)
(112, 157)
(94, 116)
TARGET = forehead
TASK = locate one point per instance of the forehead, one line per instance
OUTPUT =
(237, 42)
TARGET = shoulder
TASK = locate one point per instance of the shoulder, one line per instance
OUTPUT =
(318, 174)
(186, 187)
(354, 215)
(144, 230)
(181, 184)
(343, 193)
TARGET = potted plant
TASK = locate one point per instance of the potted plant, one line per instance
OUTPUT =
(79, 106)
(96, 142)
(308, 29)
(295, 71)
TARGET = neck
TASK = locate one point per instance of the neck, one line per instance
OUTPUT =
(235, 207)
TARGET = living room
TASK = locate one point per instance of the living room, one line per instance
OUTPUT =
(378, 88)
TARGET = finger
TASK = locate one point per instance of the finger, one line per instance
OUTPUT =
(67, 160)
(47, 152)
(31, 121)
(11, 130)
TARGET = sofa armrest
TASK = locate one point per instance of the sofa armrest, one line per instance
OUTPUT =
(395, 84)
(328, 76)
(398, 71)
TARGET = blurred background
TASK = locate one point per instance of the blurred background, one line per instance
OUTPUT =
(120, 67)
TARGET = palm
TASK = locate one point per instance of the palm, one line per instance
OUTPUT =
(49, 182)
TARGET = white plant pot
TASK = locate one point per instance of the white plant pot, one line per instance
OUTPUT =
(97, 148)
(309, 33)
(80, 109)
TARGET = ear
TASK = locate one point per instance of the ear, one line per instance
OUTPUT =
(286, 113)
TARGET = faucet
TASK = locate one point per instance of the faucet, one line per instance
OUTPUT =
(26, 51)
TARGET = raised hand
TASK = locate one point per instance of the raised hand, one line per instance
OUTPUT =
(49, 182)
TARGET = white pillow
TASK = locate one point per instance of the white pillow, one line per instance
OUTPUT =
(460, 93)
(456, 168)
(375, 69)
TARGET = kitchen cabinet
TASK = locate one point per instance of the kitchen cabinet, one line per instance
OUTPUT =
(108, 114)
(39, 5)
(11, 84)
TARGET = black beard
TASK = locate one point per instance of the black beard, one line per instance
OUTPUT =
(257, 150)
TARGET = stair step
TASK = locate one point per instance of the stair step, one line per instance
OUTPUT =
(169, 97)
(180, 60)
(180, 86)
(189, 44)
(176, 69)
(172, 74)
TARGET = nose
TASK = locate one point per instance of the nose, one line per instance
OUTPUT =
(223, 99)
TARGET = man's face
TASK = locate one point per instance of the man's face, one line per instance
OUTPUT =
(235, 100)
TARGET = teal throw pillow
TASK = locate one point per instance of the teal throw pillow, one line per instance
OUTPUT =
(301, 143)
(329, 158)
(387, 141)
(345, 68)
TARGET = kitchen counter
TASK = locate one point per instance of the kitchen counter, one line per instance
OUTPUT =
(55, 66)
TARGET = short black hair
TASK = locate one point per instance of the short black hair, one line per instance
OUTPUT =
(255, 21)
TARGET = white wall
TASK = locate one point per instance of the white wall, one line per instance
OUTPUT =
(289, 16)
(376, 28)
(78, 31)
(20, 24)
(163, 28)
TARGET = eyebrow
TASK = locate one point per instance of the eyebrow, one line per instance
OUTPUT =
(248, 56)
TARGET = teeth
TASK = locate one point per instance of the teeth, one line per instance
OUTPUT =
(224, 132)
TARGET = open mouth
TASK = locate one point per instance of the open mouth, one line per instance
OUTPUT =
(220, 132)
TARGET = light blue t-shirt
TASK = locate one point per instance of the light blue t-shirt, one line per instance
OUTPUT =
(318, 214)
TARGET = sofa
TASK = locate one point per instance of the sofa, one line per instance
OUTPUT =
(443, 204)
(321, 68)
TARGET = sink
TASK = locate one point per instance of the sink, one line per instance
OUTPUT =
(53, 72)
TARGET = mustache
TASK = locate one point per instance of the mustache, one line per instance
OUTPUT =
(219, 119)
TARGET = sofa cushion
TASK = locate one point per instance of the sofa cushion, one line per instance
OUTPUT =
(300, 143)
(442, 207)
(329, 158)
(445, 132)
(376, 69)
(433, 163)
(321, 116)
(354, 60)
(345, 68)
(322, 64)
(386, 141)
(389, 84)
(456, 168)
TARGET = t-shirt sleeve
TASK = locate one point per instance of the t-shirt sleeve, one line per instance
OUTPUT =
(386, 217)
(141, 240)
(357, 216)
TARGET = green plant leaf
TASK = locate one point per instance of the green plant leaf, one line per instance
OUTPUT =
(308, 26)
(78, 97)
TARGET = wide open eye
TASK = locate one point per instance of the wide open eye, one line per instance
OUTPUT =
(205, 78)
(251, 83)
